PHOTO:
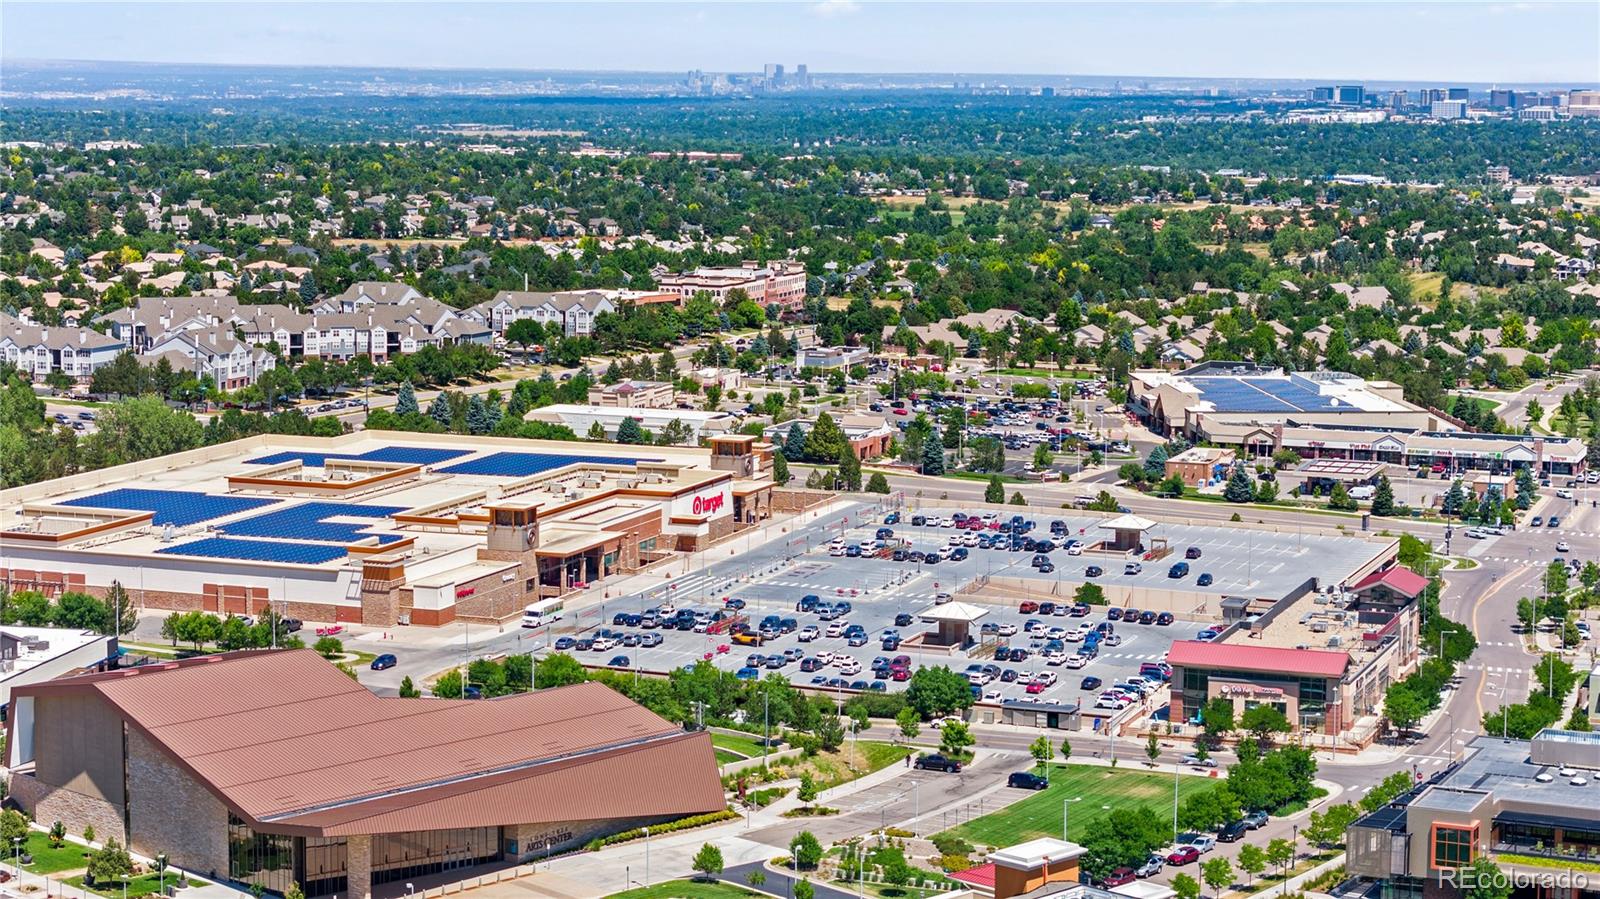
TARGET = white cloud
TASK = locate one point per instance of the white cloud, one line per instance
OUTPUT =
(830, 9)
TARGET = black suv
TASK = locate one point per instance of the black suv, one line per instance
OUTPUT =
(938, 763)
(1024, 780)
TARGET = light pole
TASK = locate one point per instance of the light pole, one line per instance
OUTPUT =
(124, 886)
(1175, 768)
(646, 855)
(1442, 632)
(161, 874)
(1065, 803)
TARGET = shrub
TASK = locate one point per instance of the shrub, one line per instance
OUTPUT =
(659, 829)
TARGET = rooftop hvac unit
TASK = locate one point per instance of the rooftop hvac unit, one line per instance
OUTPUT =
(1320, 599)
(167, 534)
(1335, 640)
(1301, 646)
(1319, 627)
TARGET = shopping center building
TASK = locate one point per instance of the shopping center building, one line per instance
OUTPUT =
(380, 528)
(271, 768)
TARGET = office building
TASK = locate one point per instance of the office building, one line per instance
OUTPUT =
(1448, 109)
(1527, 805)
(1350, 95)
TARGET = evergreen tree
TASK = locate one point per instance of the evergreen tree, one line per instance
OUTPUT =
(308, 289)
(1383, 497)
(794, 443)
(932, 458)
(629, 431)
(1455, 499)
(1340, 499)
(1527, 487)
(1017, 499)
(477, 415)
(613, 373)
(849, 469)
(1238, 489)
(667, 366)
(405, 402)
(780, 468)
(995, 492)
(1155, 466)
(597, 431)
(877, 483)
(439, 411)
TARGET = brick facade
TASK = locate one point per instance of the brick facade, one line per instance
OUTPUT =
(75, 810)
(172, 813)
(358, 854)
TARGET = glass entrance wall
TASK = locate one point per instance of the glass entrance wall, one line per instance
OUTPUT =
(260, 859)
(407, 855)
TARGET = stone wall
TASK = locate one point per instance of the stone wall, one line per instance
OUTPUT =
(74, 810)
(172, 813)
(786, 500)
(358, 852)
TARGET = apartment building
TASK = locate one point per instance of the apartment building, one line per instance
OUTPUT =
(39, 350)
(781, 284)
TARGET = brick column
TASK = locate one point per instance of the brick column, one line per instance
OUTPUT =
(358, 852)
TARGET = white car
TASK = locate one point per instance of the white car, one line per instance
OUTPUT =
(1055, 633)
(1054, 657)
(836, 629)
(1007, 630)
(836, 550)
(1564, 494)
(849, 666)
(955, 540)
(1072, 636)
(1048, 678)
(1561, 546)
(991, 695)
(970, 539)
(1111, 702)
(808, 633)
(1074, 548)
(1077, 661)
(601, 644)
(947, 522)
(825, 657)
(948, 719)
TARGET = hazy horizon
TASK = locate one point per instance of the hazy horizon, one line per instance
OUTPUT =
(1468, 42)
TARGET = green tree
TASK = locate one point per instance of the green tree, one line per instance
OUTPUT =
(1042, 457)
(1217, 716)
(1042, 751)
(439, 411)
(408, 690)
(909, 721)
(826, 440)
(1218, 873)
(932, 458)
(1017, 499)
(1263, 721)
(628, 431)
(830, 731)
(804, 890)
(448, 685)
(122, 616)
(1090, 594)
(1483, 879)
(849, 469)
(1252, 860)
(1186, 886)
(1383, 497)
(780, 469)
(1155, 464)
(956, 739)
(1340, 499)
(1455, 499)
(13, 824)
(1152, 747)
(597, 431)
(1239, 489)
(756, 878)
(807, 791)
(936, 690)
(1527, 613)
(996, 491)
(806, 851)
(794, 444)
(877, 483)
(708, 861)
(891, 861)
(108, 864)
(1066, 750)
(559, 670)
(1280, 853)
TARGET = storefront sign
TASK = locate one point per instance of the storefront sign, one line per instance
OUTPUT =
(464, 592)
(708, 505)
(1250, 690)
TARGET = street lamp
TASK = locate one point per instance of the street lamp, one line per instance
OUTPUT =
(646, 855)
(1064, 804)
(161, 873)
(124, 886)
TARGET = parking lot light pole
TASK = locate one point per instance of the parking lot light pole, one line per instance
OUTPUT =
(1065, 802)
(646, 855)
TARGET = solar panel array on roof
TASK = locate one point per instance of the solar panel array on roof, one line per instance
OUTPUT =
(520, 465)
(409, 455)
(174, 507)
(1265, 395)
(257, 550)
(309, 521)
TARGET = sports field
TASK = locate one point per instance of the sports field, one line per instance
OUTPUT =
(1101, 789)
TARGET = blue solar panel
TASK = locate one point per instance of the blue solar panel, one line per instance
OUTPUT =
(410, 455)
(257, 550)
(520, 465)
(174, 507)
(308, 521)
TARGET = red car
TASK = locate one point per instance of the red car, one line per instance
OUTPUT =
(1183, 855)
(900, 674)
(1028, 608)
(1036, 686)
(1119, 877)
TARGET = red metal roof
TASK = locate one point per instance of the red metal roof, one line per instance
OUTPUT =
(981, 876)
(1398, 578)
(1266, 659)
(286, 738)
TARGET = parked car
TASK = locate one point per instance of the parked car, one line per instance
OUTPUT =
(1027, 780)
(382, 662)
(1256, 820)
(936, 762)
(1090, 683)
(1233, 832)
(1119, 877)
(1183, 855)
(1204, 580)
(1199, 762)
(1151, 867)
(1202, 842)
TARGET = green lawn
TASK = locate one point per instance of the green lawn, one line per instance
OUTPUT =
(143, 885)
(1484, 404)
(687, 889)
(1039, 815)
(724, 756)
(48, 859)
(748, 747)
(830, 769)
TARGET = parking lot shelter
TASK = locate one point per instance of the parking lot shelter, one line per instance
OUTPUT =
(1127, 532)
(271, 768)
(955, 620)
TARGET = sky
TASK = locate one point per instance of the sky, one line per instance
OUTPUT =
(1504, 42)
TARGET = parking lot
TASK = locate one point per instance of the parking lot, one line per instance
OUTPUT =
(879, 590)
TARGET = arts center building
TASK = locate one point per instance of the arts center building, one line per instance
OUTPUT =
(267, 768)
(380, 528)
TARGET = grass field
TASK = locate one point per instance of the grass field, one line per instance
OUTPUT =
(1039, 815)
(745, 746)
(143, 885)
(1425, 285)
(48, 859)
(687, 889)
(831, 769)
(1483, 403)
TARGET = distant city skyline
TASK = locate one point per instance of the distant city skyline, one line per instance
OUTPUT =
(1476, 42)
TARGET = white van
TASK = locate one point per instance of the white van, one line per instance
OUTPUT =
(1365, 491)
(542, 613)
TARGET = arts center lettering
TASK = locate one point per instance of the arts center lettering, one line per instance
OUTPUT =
(707, 505)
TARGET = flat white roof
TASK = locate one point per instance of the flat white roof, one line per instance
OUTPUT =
(620, 412)
(58, 641)
(1035, 854)
(1145, 889)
